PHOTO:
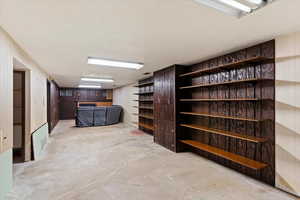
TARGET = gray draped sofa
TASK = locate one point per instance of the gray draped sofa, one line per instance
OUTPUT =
(98, 116)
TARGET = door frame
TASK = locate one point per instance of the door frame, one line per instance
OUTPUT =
(18, 65)
(23, 73)
(49, 106)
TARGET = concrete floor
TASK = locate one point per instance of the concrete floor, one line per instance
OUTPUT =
(119, 163)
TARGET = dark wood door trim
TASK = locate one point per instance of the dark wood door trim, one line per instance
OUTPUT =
(49, 105)
(23, 112)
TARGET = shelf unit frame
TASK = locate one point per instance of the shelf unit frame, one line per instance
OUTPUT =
(227, 110)
(145, 107)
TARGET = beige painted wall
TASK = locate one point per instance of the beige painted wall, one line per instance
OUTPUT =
(38, 105)
(124, 97)
(288, 113)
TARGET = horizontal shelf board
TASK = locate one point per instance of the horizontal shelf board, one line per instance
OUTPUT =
(225, 83)
(142, 93)
(240, 99)
(146, 126)
(144, 107)
(148, 100)
(219, 116)
(225, 133)
(146, 116)
(237, 64)
(144, 84)
(252, 164)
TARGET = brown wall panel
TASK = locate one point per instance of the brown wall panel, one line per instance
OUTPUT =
(164, 107)
(53, 114)
(167, 133)
(70, 96)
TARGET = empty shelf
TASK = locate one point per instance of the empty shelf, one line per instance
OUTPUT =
(218, 116)
(146, 100)
(240, 99)
(225, 133)
(146, 126)
(237, 64)
(225, 83)
(144, 107)
(146, 116)
(141, 93)
(252, 164)
(144, 84)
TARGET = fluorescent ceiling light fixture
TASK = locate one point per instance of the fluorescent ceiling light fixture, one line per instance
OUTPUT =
(257, 2)
(89, 86)
(114, 63)
(236, 5)
(236, 8)
(219, 6)
(98, 80)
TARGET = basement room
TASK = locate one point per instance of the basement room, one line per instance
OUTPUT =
(150, 99)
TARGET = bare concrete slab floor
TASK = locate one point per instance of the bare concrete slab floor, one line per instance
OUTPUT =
(118, 163)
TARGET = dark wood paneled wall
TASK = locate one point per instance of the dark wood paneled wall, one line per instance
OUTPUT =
(261, 110)
(165, 104)
(54, 105)
(70, 96)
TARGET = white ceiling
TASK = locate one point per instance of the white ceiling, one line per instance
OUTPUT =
(61, 34)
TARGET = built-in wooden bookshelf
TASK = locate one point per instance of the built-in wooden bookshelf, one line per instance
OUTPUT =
(145, 107)
(227, 110)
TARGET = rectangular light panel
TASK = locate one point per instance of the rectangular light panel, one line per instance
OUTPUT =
(89, 86)
(114, 63)
(236, 8)
(98, 80)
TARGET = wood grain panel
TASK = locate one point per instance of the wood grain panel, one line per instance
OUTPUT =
(70, 96)
(165, 104)
(97, 103)
(54, 110)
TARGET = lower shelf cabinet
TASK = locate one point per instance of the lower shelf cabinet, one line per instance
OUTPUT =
(146, 126)
(252, 164)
